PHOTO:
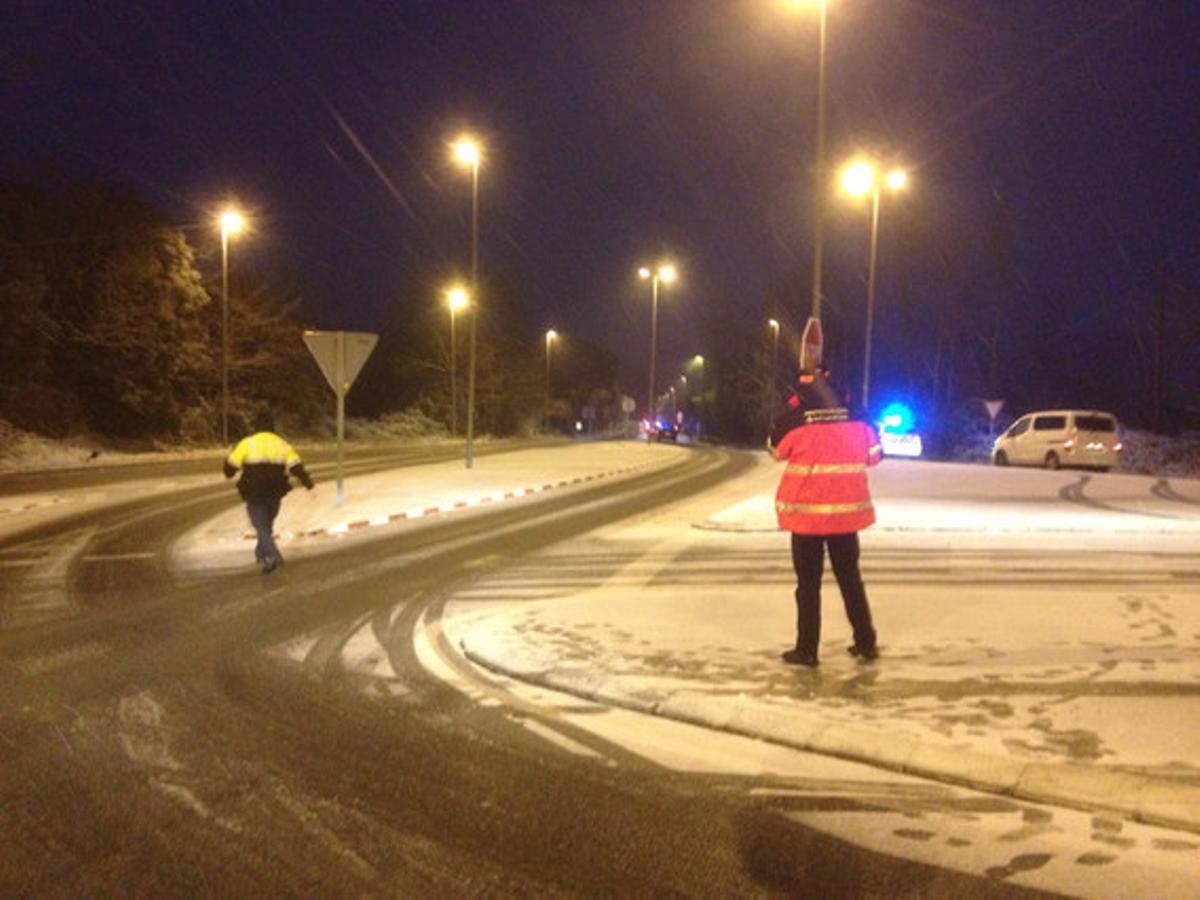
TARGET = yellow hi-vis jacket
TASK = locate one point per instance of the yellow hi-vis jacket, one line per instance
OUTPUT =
(824, 486)
(265, 460)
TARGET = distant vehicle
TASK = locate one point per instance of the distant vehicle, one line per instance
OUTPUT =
(664, 431)
(897, 436)
(908, 444)
(1061, 437)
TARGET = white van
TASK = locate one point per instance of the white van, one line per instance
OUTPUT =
(1061, 437)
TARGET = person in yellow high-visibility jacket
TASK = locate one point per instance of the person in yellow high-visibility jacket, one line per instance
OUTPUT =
(265, 461)
(824, 501)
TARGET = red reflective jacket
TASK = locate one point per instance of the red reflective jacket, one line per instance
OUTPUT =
(824, 487)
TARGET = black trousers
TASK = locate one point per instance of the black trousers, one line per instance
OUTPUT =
(808, 558)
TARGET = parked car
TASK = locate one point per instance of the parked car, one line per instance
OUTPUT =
(1061, 437)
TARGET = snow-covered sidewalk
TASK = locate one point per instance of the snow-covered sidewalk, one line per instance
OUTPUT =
(1019, 655)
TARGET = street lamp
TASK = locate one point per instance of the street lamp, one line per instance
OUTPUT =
(698, 361)
(456, 298)
(666, 274)
(551, 334)
(467, 152)
(231, 223)
(819, 177)
(773, 324)
(859, 179)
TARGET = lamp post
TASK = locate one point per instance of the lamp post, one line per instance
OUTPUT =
(698, 361)
(773, 324)
(819, 175)
(859, 179)
(551, 334)
(666, 274)
(456, 298)
(819, 193)
(466, 151)
(231, 222)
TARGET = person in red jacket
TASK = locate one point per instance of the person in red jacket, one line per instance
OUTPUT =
(824, 501)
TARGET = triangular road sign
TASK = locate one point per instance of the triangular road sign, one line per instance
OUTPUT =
(356, 347)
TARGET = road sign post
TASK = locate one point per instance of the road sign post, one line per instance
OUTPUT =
(993, 410)
(812, 345)
(341, 355)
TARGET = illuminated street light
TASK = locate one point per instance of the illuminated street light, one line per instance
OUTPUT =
(551, 335)
(231, 223)
(665, 273)
(468, 153)
(456, 298)
(859, 178)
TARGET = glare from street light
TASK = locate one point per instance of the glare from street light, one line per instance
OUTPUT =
(551, 334)
(858, 179)
(773, 323)
(698, 359)
(665, 273)
(458, 298)
(231, 222)
(897, 180)
(466, 151)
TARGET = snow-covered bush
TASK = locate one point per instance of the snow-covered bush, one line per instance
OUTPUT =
(407, 424)
(1156, 454)
(24, 450)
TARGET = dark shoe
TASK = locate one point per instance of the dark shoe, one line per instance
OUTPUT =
(864, 654)
(269, 565)
(796, 658)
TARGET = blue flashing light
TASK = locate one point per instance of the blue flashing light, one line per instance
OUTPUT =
(896, 418)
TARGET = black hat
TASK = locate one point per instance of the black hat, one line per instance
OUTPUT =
(815, 392)
(264, 420)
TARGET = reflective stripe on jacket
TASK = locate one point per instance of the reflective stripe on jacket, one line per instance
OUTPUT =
(824, 487)
(265, 459)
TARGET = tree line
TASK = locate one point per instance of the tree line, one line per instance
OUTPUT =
(110, 325)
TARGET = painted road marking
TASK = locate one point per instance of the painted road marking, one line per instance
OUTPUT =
(106, 557)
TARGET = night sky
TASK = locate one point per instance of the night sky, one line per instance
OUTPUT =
(619, 132)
